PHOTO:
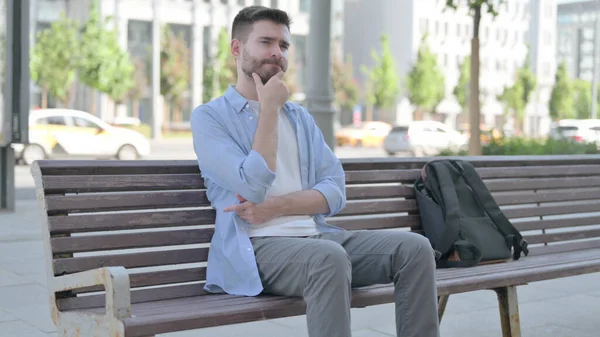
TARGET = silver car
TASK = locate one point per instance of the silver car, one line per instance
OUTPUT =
(423, 138)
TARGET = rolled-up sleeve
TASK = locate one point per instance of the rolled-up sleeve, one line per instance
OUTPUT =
(221, 159)
(330, 176)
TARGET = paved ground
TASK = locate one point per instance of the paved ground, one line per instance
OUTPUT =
(560, 308)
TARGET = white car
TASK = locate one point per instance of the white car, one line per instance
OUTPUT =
(579, 130)
(423, 138)
(66, 133)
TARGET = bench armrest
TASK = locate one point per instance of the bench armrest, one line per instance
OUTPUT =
(115, 281)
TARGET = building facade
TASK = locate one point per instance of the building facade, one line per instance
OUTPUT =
(504, 43)
(198, 21)
(576, 23)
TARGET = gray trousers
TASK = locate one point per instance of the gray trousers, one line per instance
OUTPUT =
(322, 269)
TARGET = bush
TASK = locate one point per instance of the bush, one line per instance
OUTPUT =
(523, 146)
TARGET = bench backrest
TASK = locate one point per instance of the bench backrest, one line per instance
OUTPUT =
(153, 217)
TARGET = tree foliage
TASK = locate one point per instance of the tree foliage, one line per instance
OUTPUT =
(561, 99)
(383, 84)
(345, 86)
(174, 68)
(461, 90)
(425, 83)
(54, 59)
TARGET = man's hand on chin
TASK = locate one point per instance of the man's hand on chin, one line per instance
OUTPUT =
(254, 214)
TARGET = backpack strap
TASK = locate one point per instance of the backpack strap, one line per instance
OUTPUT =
(441, 184)
(483, 196)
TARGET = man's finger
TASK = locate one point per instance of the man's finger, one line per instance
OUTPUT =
(257, 80)
(234, 208)
(240, 198)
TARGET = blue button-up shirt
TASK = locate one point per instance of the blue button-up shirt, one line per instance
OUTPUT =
(223, 132)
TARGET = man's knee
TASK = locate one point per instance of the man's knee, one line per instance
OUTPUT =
(420, 248)
(330, 259)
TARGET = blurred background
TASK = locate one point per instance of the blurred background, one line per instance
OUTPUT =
(118, 79)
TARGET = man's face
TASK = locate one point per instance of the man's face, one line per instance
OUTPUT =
(266, 50)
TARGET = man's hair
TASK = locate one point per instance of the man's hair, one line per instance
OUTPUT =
(242, 24)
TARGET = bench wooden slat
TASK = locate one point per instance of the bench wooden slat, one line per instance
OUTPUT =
(362, 192)
(137, 296)
(156, 278)
(379, 206)
(92, 243)
(386, 222)
(109, 167)
(538, 171)
(125, 201)
(544, 210)
(557, 223)
(563, 236)
(381, 176)
(60, 224)
(564, 247)
(117, 183)
(353, 164)
(541, 183)
(519, 198)
(131, 260)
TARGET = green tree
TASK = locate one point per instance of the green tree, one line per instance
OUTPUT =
(425, 83)
(141, 81)
(345, 86)
(476, 9)
(54, 58)
(517, 96)
(383, 84)
(93, 52)
(174, 71)
(582, 98)
(512, 97)
(461, 90)
(117, 70)
(561, 99)
(224, 64)
(527, 80)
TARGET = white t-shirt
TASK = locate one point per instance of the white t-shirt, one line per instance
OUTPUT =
(287, 180)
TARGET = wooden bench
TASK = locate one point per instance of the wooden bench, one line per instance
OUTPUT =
(126, 242)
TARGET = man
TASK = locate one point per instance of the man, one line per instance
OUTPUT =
(273, 180)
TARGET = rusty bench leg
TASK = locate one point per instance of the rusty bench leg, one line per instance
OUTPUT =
(509, 311)
(442, 301)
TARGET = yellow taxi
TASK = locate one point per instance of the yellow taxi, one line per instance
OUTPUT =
(368, 134)
(67, 133)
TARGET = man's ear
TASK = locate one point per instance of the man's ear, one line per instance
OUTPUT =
(236, 47)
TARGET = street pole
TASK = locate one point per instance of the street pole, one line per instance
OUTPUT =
(319, 94)
(156, 99)
(596, 63)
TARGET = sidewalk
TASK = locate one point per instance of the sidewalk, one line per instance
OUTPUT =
(560, 308)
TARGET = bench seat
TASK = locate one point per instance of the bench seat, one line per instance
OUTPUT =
(149, 318)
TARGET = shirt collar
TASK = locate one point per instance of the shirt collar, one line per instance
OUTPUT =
(237, 101)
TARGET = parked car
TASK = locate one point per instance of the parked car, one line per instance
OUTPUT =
(579, 130)
(369, 134)
(58, 133)
(423, 138)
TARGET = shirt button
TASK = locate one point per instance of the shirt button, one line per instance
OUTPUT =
(251, 118)
(248, 249)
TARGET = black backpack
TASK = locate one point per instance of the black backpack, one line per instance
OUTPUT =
(461, 219)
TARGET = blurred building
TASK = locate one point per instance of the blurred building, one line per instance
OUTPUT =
(504, 42)
(576, 22)
(199, 21)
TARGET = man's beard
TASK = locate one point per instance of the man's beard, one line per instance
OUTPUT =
(252, 65)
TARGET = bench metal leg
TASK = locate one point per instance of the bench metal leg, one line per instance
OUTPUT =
(442, 301)
(509, 311)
